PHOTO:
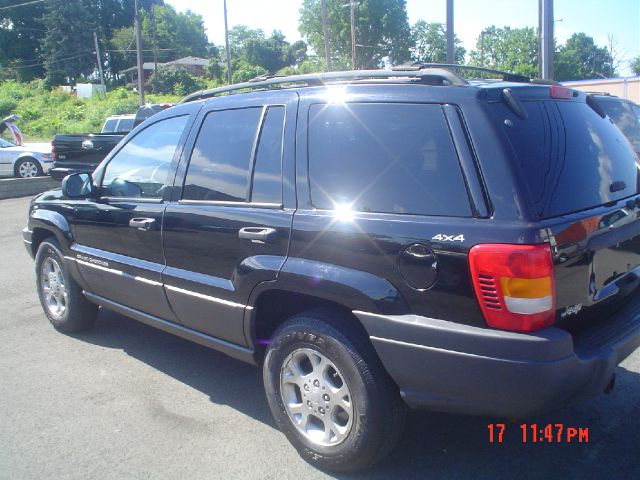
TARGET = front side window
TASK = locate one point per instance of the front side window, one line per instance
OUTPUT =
(141, 168)
(387, 158)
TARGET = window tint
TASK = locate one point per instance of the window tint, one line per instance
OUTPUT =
(394, 158)
(219, 165)
(141, 168)
(125, 125)
(624, 117)
(267, 176)
(110, 125)
(570, 156)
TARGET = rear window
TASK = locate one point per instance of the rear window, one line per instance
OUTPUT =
(571, 158)
(125, 125)
(387, 158)
(110, 125)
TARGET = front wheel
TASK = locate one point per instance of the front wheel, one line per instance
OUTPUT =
(28, 168)
(329, 393)
(61, 297)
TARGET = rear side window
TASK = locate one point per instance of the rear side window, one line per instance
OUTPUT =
(571, 158)
(220, 161)
(267, 175)
(625, 118)
(388, 158)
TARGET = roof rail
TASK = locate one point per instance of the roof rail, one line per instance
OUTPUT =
(506, 76)
(430, 75)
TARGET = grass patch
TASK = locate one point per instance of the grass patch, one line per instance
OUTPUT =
(46, 113)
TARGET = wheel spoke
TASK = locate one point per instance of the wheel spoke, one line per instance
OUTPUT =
(316, 397)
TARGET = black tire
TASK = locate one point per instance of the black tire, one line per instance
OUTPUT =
(378, 411)
(79, 314)
(23, 161)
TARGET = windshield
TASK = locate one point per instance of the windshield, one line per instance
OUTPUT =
(571, 158)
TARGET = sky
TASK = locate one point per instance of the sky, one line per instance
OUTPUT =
(597, 18)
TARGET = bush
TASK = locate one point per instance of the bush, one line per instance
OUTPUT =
(45, 113)
(174, 80)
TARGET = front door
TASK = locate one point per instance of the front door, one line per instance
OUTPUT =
(228, 227)
(118, 236)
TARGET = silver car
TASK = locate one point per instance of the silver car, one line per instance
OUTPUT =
(24, 161)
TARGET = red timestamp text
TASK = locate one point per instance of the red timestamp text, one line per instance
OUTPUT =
(534, 433)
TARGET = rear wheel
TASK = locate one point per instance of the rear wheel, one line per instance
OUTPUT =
(329, 393)
(28, 168)
(61, 297)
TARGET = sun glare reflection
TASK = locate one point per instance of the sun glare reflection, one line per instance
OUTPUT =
(337, 95)
(343, 213)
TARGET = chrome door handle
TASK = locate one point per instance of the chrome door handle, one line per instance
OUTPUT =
(260, 234)
(142, 223)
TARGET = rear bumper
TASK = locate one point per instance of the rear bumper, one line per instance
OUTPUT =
(463, 369)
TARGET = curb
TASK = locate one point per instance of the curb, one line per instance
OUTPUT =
(24, 187)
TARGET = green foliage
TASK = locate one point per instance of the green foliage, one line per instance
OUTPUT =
(176, 35)
(382, 30)
(510, 49)
(45, 113)
(175, 81)
(430, 43)
(634, 65)
(580, 59)
(253, 47)
(245, 72)
(66, 46)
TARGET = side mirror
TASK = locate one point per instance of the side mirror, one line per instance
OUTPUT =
(78, 185)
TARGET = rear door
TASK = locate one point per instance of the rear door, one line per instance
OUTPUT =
(582, 178)
(228, 226)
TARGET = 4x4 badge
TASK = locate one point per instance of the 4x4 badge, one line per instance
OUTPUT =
(448, 238)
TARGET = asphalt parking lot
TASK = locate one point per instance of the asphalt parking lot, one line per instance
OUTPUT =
(128, 401)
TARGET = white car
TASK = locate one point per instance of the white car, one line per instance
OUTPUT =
(24, 161)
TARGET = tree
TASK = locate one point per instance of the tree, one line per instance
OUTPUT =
(430, 43)
(382, 31)
(20, 32)
(634, 65)
(253, 48)
(176, 35)
(580, 59)
(66, 48)
(175, 81)
(509, 49)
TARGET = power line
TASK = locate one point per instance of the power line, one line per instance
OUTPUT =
(43, 63)
(22, 4)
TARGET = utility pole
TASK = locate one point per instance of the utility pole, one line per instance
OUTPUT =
(99, 59)
(353, 34)
(226, 41)
(450, 33)
(546, 47)
(139, 54)
(155, 42)
(325, 32)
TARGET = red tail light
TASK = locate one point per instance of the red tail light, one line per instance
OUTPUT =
(514, 285)
(54, 154)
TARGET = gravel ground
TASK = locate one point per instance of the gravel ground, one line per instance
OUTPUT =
(128, 401)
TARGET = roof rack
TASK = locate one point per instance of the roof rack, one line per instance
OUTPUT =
(506, 76)
(431, 75)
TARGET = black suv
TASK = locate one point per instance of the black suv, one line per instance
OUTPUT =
(373, 239)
